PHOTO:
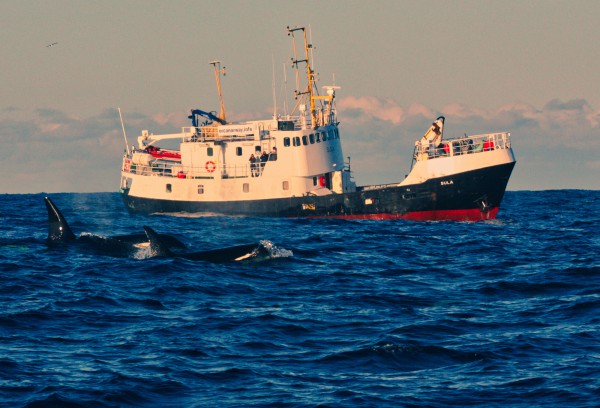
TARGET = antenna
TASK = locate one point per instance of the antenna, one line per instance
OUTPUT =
(273, 85)
(285, 91)
(312, 48)
(124, 135)
(330, 89)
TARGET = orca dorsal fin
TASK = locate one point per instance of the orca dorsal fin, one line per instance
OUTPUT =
(58, 228)
(157, 245)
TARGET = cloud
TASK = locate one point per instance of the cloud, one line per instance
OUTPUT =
(556, 146)
(573, 124)
(175, 119)
(49, 150)
(462, 112)
(368, 108)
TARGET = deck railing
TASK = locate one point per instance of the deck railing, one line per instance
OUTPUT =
(466, 145)
(210, 132)
(209, 171)
(201, 133)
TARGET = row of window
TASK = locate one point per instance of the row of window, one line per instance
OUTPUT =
(312, 138)
(297, 141)
(321, 181)
(245, 187)
(238, 150)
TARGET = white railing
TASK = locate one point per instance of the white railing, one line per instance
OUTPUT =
(466, 145)
(201, 133)
(209, 171)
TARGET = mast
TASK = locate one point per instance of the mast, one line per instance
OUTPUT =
(218, 71)
(310, 74)
(311, 90)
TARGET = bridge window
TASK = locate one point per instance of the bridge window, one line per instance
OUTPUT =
(209, 151)
(324, 136)
(238, 151)
(296, 141)
(286, 185)
(312, 138)
(169, 188)
(318, 138)
(286, 141)
(200, 189)
(285, 125)
(304, 140)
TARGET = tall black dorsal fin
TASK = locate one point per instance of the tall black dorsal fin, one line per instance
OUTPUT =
(58, 228)
(157, 245)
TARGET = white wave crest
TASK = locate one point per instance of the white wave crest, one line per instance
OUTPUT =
(274, 251)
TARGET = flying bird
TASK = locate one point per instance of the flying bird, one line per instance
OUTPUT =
(51, 45)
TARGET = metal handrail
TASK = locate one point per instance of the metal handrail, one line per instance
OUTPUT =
(465, 145)
(176, 170)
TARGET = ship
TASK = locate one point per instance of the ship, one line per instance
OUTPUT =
(292, 165)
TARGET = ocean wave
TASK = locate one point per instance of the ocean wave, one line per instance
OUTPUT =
(340, 313)
(408, 357)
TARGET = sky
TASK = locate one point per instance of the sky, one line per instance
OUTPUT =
(530, 68)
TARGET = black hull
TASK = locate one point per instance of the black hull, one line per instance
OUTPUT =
(473, 195)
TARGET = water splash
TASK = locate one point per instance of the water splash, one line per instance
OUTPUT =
(143, 251)
(274, 251)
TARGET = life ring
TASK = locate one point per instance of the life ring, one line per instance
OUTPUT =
(210, 166)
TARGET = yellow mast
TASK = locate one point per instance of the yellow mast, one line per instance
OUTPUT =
(218, 71)
(310, 74)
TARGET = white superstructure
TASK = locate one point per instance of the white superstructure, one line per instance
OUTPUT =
(293, 165)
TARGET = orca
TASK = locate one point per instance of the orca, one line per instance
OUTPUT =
(58, 228)
(60, 234)
(158, 248)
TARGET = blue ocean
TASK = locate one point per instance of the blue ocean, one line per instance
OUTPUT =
(502, 313)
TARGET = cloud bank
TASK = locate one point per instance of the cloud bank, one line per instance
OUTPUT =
(50, 151)
(557, 146)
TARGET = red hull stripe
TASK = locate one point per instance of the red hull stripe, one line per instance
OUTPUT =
(441, 215)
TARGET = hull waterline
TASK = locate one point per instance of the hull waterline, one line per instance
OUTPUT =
(473, 196)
